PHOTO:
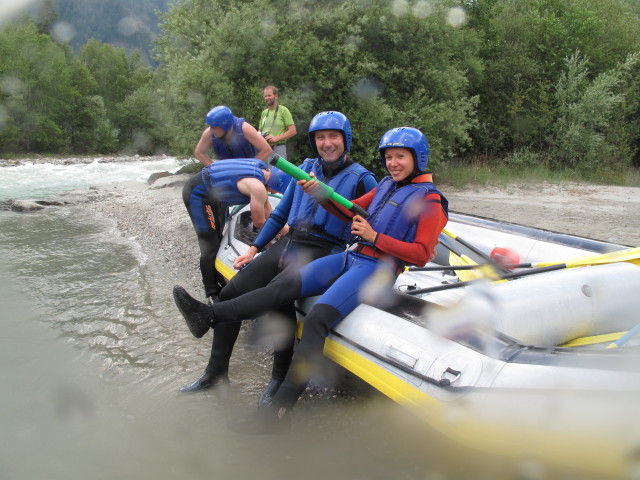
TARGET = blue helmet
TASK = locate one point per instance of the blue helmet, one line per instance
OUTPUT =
(279, 181)
(220, 116)
(409, 138)
(330, 121)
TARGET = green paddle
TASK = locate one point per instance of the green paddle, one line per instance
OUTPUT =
(299, 174)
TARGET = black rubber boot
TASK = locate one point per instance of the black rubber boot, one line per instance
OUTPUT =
(267, 395)
(270, 419)
(198, 315)
(205, 382)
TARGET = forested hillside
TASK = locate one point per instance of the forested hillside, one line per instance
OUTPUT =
(132, 25)
(122, 23)
(542, 82)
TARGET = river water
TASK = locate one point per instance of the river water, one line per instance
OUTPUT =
(91, 357)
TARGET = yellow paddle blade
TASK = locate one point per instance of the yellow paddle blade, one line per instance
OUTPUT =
(483, 271)
(631, 255)
(464, 275)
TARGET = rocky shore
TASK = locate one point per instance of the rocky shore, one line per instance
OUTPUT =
(605, 213)
(154, 215)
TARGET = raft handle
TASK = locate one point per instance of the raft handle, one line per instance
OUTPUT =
(456, 376)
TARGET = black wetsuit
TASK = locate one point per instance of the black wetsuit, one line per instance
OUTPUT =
(293, 251)
(208, 217)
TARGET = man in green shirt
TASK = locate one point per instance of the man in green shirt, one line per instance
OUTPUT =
(276, 123)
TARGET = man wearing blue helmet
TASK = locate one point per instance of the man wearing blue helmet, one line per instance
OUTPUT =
(406, 215)
(230, 137)
(313, 233)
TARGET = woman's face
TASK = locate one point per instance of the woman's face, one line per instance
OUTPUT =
(399, 162)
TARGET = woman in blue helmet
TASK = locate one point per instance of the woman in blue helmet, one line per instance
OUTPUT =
(407, 214)
(313, 233)
(230, 137)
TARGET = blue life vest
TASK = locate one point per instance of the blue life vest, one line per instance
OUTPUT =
(238, 146)
(307, 215)
(222, 178)
(396, 211)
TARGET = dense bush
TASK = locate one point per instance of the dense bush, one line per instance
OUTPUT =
(553, 82)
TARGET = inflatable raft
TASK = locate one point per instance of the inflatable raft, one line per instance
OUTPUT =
(514, 340)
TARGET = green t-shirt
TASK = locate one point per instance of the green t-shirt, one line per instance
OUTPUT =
(283, 119)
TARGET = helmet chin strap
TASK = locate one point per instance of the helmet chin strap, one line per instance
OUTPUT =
(338, 163)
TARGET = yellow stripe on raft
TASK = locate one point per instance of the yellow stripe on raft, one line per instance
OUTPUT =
(591, 453)
(608, 337)
(390, 385)
(226, 272)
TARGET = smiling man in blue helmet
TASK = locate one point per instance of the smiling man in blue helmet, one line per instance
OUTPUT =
(313, 233)
(230, 137)
(407, 214)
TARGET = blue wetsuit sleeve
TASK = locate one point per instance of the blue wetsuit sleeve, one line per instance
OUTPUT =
(366, 184)
(277, 219)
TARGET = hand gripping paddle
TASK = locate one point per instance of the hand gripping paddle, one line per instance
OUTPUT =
(299, 174)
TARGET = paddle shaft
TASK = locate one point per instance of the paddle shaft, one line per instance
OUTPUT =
(299, 174)
(506, 276)
(437, 268)
(490, 261)
(631, 255)
(625, 338)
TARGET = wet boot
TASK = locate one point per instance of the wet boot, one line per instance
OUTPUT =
(270, 419)
(205, 382)
(198, 315)
(269, 392)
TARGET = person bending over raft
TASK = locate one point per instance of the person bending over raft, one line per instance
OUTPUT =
(230, 137)
(407, 214)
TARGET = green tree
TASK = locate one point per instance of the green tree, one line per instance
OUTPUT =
(109, 67)
(582, 136)
(87, 124)
(124, 83)
(381, 68)
(47, 15)
(524, 48)
(36, 90)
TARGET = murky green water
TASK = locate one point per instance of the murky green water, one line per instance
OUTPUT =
(92, 352)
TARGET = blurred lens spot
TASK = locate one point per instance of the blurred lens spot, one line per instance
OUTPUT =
(129, 26)
(456, 17)
(400, 8)
(11, 85)
(422, 9)
(63, 32)
(366, 88)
